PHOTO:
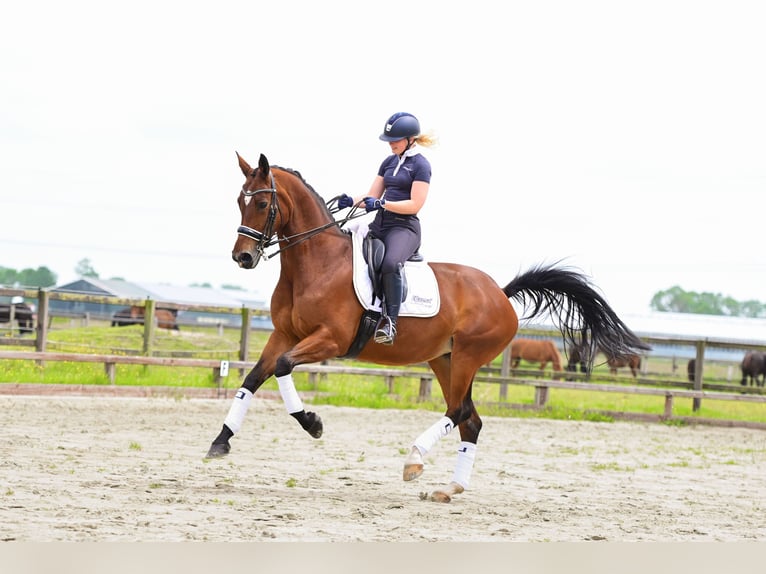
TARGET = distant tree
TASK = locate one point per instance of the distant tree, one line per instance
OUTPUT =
(85, 269)
(752, 308)
(677, 300)
(8, 276)
(233, 287)
(207, 285)
(40, 277)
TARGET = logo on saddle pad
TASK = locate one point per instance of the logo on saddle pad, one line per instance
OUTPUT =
(422, 292)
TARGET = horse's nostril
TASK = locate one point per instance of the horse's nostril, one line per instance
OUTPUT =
(244, 259)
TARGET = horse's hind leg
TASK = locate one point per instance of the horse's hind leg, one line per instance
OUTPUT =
(469, 423)
(466, 454)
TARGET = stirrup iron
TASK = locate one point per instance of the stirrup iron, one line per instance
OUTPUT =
(386, 331)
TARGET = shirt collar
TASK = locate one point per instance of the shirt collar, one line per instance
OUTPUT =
(408, 153)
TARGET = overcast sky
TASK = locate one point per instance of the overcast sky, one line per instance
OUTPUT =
(626, 138)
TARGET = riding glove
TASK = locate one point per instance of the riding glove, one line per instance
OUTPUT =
(372, 204)
(345, 201)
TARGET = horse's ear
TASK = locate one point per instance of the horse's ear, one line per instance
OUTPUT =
(263, 164)
(243, 165)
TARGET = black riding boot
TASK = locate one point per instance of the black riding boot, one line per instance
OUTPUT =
(392, 300)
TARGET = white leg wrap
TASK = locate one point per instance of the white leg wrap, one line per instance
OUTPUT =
(290, 396)
(238, 409)
(429, 438)
(466, 453)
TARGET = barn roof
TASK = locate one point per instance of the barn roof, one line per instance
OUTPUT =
(691, 326)
(736, 329)
(163, 292)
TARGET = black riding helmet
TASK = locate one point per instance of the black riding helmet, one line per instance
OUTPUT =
(399, 126)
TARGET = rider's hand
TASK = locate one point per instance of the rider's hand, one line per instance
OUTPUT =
(345, 201)
(373, 204)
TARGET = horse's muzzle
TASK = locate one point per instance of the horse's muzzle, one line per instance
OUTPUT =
(246, 259)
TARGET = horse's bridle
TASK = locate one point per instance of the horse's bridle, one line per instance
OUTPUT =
(265, 238)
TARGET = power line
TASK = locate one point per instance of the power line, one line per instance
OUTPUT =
(132, 251)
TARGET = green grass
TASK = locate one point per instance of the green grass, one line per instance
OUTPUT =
(102, 339)
(346, 390)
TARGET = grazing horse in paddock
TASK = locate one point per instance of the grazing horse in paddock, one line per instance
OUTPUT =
(580, 354)
(577, 355)
(631, 361)
(134, 315)
(23, 314)
(535, 351)
(753, 368)
(317, 315)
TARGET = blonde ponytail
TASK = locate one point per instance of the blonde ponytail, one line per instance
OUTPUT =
(426, 140)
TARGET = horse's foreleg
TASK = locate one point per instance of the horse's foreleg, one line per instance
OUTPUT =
(231, 424)
(241, 403)
(309, 421)
(237, 411)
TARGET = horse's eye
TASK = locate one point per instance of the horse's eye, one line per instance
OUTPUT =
(263, 204)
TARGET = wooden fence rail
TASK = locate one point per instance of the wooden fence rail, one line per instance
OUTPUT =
(43, 298)
(541, 386)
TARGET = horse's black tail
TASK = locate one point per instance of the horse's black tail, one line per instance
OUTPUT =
(583, 315)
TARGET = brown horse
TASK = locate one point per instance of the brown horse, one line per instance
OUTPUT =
(316, 315)
(583, 355)
(754, 368)
(134, 315)
(535, 351)
(631, 361)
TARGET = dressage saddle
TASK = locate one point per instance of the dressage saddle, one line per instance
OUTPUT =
(373, 250)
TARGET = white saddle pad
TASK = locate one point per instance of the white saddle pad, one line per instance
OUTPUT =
(422, 290)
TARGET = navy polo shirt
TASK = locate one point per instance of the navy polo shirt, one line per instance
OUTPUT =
(399, 186)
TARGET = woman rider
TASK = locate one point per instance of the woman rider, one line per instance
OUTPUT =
(397, 194)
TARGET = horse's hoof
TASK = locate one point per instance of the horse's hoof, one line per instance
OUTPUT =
(412, 471)
(445, 495)
(217, 450)
(413, 465)
(439, 496)
(316, 428)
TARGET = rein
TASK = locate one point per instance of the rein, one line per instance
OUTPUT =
(266, 238)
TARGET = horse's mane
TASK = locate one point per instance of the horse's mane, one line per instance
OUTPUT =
(318, 198)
